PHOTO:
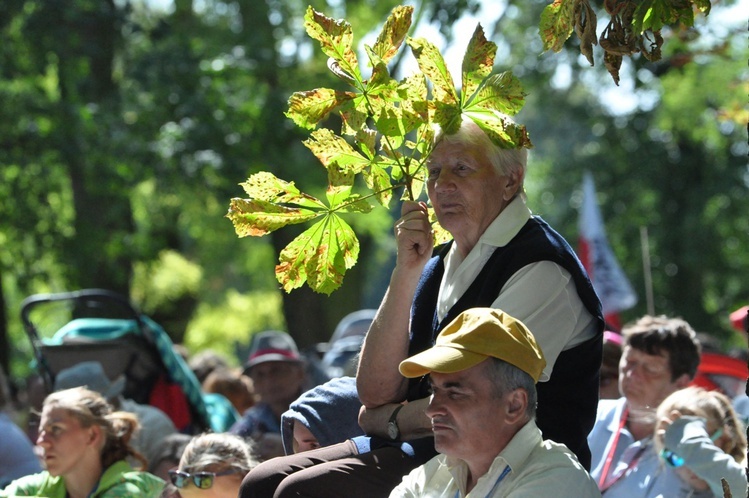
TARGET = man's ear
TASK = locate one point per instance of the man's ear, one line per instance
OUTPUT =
(512, 184)
(517, 402)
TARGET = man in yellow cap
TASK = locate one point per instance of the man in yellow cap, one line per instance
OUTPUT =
(483, 371)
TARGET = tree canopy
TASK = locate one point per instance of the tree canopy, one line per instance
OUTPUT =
(127, 127)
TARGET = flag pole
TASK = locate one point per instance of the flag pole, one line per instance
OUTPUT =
(647, 270)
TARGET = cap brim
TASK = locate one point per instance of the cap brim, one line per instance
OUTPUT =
(440, 359)
(270, 357)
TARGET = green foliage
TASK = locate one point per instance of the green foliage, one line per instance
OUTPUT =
(234, 321)
(391, 124)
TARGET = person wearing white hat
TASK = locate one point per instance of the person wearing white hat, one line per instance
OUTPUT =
(483, 370)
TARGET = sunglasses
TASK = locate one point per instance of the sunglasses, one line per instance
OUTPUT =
(675, 460)
(202, 480)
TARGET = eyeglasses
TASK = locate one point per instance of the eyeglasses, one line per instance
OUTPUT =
(675, 460)
(202, 480)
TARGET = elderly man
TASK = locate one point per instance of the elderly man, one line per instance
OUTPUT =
(660, 356)
(278, 375)
(483, 369)
(500, 257)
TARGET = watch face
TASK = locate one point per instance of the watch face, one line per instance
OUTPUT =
(392, 430)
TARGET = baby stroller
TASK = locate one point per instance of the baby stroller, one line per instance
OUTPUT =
(103, 326)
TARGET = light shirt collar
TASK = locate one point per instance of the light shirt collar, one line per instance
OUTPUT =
(514, 455)
(460, 273)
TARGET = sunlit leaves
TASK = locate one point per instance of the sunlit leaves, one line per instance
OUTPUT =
(557, 24)
(308, 108)
(393, 33)
(256, 218)
(432, 64)
(319, 256)
(336, 39)
(477, 63)
(387, 134)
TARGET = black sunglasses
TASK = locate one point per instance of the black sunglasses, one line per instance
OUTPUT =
(202, 480)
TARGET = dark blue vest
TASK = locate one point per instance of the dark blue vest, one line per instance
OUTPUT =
(567, 402)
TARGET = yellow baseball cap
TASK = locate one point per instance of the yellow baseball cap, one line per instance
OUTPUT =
(475, 335)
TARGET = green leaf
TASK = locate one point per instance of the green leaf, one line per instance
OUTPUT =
(332, 149)
(477, 63)
(378, 180)
(557, 24)
(642, 18)
(257, 218)
(308, 108)
(500, 130)
(393, 33)
(320, 256)
(433, 66)
(266, 187)
(356, 204)
(336, 40)
(502, 92)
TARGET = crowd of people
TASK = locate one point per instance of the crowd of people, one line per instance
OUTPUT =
(486, 372)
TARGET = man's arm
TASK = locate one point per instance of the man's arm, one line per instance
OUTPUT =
(378, 380)
(412, 421)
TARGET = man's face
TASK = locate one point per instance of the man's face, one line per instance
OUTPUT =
(277, 382)
(645, 379)
(465, 413)
(466, 191)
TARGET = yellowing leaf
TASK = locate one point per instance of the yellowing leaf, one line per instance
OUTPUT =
(332, 149)
(336, 39)
(266, 187)
(478, 62)
(501, 131)
(320, 256)
(355, 204)
(557, 23)
(308, 108)
(378, 180)
(393, 32)
(433, 66)
(502, 92)
(256, 218)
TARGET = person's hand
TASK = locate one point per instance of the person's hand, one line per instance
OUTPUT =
(413, 233)
(664, 423)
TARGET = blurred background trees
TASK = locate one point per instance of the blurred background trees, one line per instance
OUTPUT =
(126, 126)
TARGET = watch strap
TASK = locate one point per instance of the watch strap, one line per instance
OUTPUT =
(393, 421)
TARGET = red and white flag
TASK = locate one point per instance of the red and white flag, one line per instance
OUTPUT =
(609, 281)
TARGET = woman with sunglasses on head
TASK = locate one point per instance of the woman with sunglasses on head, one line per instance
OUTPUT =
(85, 449)
(212, 466)
(701, 440)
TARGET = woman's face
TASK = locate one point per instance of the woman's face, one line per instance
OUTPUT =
(63, 441)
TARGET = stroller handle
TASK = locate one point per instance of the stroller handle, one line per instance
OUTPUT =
(83, 296)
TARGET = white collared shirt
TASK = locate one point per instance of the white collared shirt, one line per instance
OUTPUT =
(542, 295)
(536, 468)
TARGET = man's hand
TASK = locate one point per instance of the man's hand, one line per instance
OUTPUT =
(413, 233)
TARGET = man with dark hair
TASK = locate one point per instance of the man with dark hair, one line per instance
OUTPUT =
(660, 356)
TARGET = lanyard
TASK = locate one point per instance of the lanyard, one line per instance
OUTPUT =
(612, 450)
(494, 488)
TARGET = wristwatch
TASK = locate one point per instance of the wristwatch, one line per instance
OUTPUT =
(393, 430)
